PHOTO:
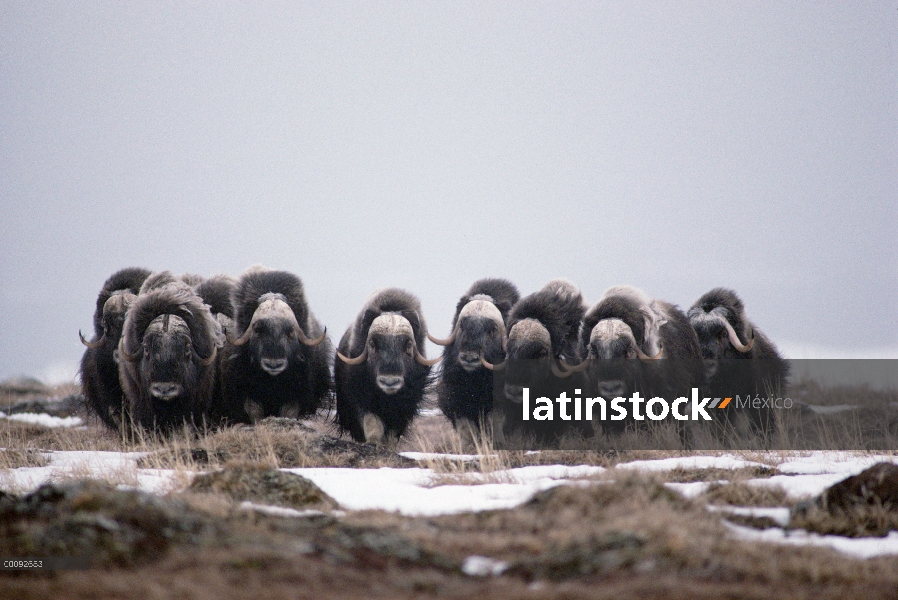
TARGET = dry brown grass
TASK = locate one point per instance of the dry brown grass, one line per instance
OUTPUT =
(739, 493)
(14, 459)
(630, 536)
(285, 443)
(862, 520)
(626, 536)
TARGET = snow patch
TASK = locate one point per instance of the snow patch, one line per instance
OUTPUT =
(44, 419)
(778, 515)
(866, 547)
(439, 456)
(690, 462)
(691, 489)
(483, 566)
(411, 492)
(280, 511)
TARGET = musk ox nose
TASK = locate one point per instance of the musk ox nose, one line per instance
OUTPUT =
(390, 384)
(515, 393)
(469, 360)
(165, 390)
(612, 389)
(274, 366)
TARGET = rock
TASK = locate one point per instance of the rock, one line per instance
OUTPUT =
(285, 424)
(358, 455)
(613, 551)
(68, 406)
(265, 485)
(876, 485)
(21, 386)
(95, 520)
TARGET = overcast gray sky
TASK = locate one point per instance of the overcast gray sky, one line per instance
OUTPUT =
(673, 146)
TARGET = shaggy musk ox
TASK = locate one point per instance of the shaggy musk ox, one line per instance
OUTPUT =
(160, 279)
(543, 325)
(216, 293)
(634, 343)
(279, 362)
(167, 358)
(542, 331)
(465, 389)
(99, 365)
(380, 371)
(738, 358)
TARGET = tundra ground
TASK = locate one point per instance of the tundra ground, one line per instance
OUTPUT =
(228, 522)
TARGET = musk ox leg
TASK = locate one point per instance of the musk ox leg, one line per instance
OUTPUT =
(467, 432)
(391, 442)
(497, 417)
(373, 428)
(254, 410)
(290, 411)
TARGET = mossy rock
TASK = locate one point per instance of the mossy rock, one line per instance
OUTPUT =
(95, 520)
(263, 484)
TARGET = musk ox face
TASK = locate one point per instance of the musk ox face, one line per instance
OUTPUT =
(615, 359)
(391, 351)
(274, 335)
(612, 351)
(528, 340)
(113, 320)
(168, 369)
(479, 334)
(719, 322)
(712, 333)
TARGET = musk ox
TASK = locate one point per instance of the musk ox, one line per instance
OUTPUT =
(167, 358)
(542, 331)
(160, 279)
(380, 371)
(738, 357)
(99, 365)
(216, 293)
(634, 343)
(465, 388)
(543, 325)
(278, 362)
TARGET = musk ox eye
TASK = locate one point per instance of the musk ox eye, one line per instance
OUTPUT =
(408, 348)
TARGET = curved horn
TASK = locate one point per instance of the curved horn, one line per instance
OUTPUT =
(92, 345)
(448, 340)
(208, 361)
(354, 361)
(124, 353)
(568, 369)
(307, 340)
(493, 367)
(557, 370)
(423, 361)
(734, 339)
(242, 339)
(643, 356)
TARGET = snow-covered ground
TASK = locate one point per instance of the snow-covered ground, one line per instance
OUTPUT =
(423, 492)
(44, 419)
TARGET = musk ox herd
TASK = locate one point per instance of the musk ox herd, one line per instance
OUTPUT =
(172, 350)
